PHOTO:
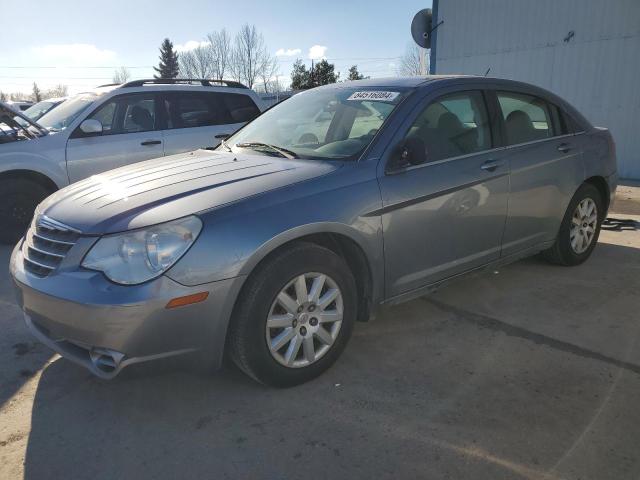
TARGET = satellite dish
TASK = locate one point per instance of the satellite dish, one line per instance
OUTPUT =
(421, 28)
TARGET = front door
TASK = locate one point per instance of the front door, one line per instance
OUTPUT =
(447, 215)
(129, 135)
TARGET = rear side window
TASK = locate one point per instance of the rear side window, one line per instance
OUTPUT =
(241, 107)
(453, 125)
(526, 118)
(188, 110)
(202, 109)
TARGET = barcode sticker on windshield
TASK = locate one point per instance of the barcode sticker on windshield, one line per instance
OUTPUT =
(374, 95)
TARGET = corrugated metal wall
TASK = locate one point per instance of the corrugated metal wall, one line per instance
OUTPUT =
(597, 70)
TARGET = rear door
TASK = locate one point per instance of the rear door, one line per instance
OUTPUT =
(202, 119)
(447, 215)
(545, 164)
(129, 134)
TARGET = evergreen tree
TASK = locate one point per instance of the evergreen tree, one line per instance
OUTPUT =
(300, 78)
(354, 74)
(324, 73)
(37, 94)
(168, 66)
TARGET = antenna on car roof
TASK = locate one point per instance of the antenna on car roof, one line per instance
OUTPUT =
(487, 72)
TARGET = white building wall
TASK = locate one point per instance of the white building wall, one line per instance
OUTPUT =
(598, 70)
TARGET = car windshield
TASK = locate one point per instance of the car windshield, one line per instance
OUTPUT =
(62, 116)
(336, 123)
(34, 112)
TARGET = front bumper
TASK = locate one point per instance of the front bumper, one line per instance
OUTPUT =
(105, 327)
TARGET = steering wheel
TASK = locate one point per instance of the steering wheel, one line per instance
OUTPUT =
(308, 138)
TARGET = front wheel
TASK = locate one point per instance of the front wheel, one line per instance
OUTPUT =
(580, 228)
(18, 200)
(294, 316)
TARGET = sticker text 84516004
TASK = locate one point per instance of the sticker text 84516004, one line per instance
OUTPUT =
(374, 95)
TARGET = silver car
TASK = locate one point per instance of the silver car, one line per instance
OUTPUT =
(333, 203)
(109, 127)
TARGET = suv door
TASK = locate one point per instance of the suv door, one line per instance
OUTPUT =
(546, 168)
(447, 215)
(202, 119)
(129, 135)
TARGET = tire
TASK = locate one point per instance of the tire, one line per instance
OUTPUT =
(563, 252)
(19, 198)
(249, 332)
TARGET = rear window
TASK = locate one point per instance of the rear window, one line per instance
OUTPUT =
(189, 110)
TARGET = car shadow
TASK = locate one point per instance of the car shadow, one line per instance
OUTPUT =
(422, 389)
(21, 356)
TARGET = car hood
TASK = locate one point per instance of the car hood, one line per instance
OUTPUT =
(167, 188)
(9, 126)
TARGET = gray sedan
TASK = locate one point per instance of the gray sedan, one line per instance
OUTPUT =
(333, 203)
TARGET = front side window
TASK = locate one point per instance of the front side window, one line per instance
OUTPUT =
(453, 125)
(526, 118)
(126, 114)
(328, 123)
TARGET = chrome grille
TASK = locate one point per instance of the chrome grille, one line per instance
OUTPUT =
(46, 244)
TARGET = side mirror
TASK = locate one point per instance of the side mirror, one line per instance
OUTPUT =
(412, 151)
(91, 126)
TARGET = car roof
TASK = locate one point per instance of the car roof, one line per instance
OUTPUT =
(406, 82)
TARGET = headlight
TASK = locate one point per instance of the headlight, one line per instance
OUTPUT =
(140, 255)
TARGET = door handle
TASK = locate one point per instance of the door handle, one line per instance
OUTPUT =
(151, 142)
(490, 165)
(564, 147)
(223, 135)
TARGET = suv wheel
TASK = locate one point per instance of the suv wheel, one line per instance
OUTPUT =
(18, 200)
(580, 228)
(294, 317)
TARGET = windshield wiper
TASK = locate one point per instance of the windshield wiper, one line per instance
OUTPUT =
(226, 145)
(282, 151)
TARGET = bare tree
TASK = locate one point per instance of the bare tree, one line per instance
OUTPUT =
(57, 91)
(250, 55)
(121, 75)
(268, 74)
(220, 45)
(410, 61)
(197, 63)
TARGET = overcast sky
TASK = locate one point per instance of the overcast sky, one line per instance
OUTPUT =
(85, 41)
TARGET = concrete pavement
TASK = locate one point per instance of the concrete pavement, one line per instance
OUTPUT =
(532, 371)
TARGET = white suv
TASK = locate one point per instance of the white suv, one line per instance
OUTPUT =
(112, 126)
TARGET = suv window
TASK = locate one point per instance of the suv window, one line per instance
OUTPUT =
(453, 125)
(126, 114)
(201, 109)
(526, 118)
(241, 107)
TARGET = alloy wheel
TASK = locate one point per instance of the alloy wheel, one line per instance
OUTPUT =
(304, 320)
(584, 224)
